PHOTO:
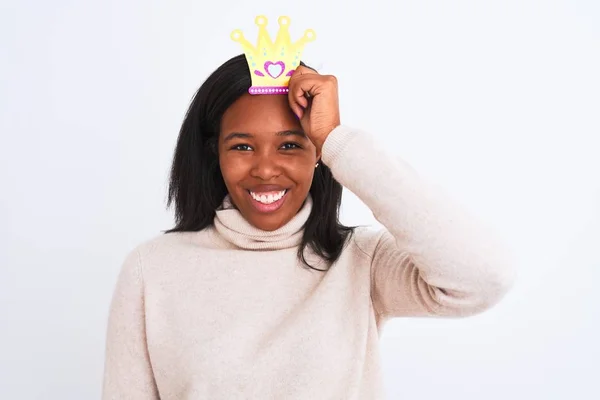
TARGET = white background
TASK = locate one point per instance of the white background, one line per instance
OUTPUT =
(499, 101)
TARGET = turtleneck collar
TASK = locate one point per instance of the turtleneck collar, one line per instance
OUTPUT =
(234, 228)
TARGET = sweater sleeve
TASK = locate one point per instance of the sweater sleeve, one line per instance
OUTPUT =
(127, 370)
(432, 258)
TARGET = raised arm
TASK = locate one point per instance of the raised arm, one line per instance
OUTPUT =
(433, 258)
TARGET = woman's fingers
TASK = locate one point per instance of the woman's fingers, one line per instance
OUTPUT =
(301, 83)
(319, 114)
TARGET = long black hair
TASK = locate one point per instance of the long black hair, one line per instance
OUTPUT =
(196, 186)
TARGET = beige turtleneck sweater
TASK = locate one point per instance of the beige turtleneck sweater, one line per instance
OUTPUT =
(229, 312)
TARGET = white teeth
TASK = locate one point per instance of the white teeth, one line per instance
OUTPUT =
(268, 198)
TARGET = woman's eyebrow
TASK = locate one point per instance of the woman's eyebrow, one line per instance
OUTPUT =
(238, 135)
(244, 135)
(292, 133)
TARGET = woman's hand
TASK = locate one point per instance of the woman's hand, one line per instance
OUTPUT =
(314, 99)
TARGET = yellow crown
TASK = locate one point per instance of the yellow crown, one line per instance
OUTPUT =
(272, 63)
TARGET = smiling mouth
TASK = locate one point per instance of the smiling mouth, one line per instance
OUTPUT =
(267, 202)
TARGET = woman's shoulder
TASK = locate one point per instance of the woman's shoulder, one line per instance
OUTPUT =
(168, 243)
(366, 238)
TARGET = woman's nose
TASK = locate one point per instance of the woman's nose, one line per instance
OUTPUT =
(266, 167)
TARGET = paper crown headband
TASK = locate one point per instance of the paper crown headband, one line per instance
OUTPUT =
(272, 63)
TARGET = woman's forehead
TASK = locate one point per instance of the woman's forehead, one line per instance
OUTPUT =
(259, 114)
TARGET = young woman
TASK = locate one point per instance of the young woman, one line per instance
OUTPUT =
(259, 292)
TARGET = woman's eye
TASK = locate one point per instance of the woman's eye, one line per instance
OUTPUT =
(290, 146)
(241, 147)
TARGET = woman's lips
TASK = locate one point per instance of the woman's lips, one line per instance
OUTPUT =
(268, 208)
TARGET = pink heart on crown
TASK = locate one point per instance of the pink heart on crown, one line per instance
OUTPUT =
(274, 69)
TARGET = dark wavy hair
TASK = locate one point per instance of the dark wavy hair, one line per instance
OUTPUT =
(196, 186)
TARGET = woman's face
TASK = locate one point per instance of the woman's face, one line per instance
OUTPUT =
(266, 160)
